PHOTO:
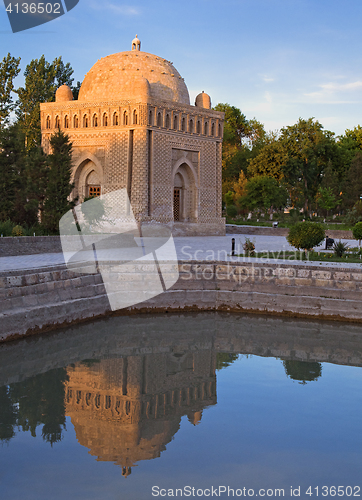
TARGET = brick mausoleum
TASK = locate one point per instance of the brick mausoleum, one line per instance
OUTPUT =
(133, 127)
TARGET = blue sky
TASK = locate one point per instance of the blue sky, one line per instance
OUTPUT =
(277, 60)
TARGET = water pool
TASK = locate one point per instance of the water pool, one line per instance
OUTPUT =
(185, 405)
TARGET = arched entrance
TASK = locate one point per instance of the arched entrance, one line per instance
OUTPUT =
(88, 179)
(184, 195)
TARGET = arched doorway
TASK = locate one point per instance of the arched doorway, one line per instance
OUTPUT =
(88, 179)
(184, 195)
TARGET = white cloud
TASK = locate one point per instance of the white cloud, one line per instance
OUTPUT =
(331, 92)
(267, 79)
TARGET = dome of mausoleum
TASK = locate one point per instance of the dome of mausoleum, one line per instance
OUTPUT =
(63, 93)
(203, 100)
(130, 74)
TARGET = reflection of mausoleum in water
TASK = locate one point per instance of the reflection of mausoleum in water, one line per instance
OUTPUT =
(126, 410)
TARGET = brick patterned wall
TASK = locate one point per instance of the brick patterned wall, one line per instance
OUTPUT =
(152, 178)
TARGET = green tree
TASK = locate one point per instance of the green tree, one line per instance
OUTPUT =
(241, 140)
(270, 161)
(357, 232)
(309, 150)
(352, 189)
(75, 90)
(36, 175)
(327, 199)
(12, 194)
(9, 69)
(306, 235)
(59, 185)
(41, 81)
(353, 138)
(265, 193)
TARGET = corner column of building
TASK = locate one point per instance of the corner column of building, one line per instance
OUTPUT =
(140, 173)
(218, 179)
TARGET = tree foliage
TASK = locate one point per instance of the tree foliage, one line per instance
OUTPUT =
(264, 193)
(12, 195)
(270, 161)
(303, 371)
(309, 150)
(357, 232)
(306, 235)
(9, 69)
(41, 81)
(327, 199)
(59, 186)
(241, 141)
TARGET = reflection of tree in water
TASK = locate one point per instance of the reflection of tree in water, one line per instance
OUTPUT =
(7, 415)
(225, 359)
(37, 400)
(303, 371)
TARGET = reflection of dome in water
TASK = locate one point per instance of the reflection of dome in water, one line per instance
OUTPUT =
(133, 74)
(127, 410)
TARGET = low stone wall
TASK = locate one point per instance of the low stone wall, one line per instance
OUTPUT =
(34, 301)
(29, 245)
(281, 231)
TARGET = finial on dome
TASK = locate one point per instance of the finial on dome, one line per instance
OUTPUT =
(136, 44)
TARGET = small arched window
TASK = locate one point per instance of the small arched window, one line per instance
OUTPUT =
(191, 128)
(198, 127)
(66, 121)
(85, 121)
(206, 128)
(150, 117)
(159, 120)
(97, 400)
(105, 120)
(75, 121)
(175, 122)
(220, 130)
(213, 129)
(57, 122)
(48, 122)
(95, 120)
(115, 118)
(135, 117)
(167, 121)
(183, 125)
(125, 118)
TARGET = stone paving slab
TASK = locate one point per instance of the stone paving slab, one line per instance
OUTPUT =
(213, 248)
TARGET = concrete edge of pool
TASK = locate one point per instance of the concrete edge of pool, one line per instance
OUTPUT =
(37, 301)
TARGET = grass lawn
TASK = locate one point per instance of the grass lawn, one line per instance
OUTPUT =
(268, 223)
(319, 256)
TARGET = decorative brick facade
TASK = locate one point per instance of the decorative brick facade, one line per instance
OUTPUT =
(133, 128)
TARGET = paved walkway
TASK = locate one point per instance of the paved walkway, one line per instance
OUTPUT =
(213, 248)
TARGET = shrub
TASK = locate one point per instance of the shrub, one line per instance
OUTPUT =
(6, 228)
(231, 211)
(357, 232)
(249, 248)
(306, 235)
(355, 214)
(17, 231)
(340, 248)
